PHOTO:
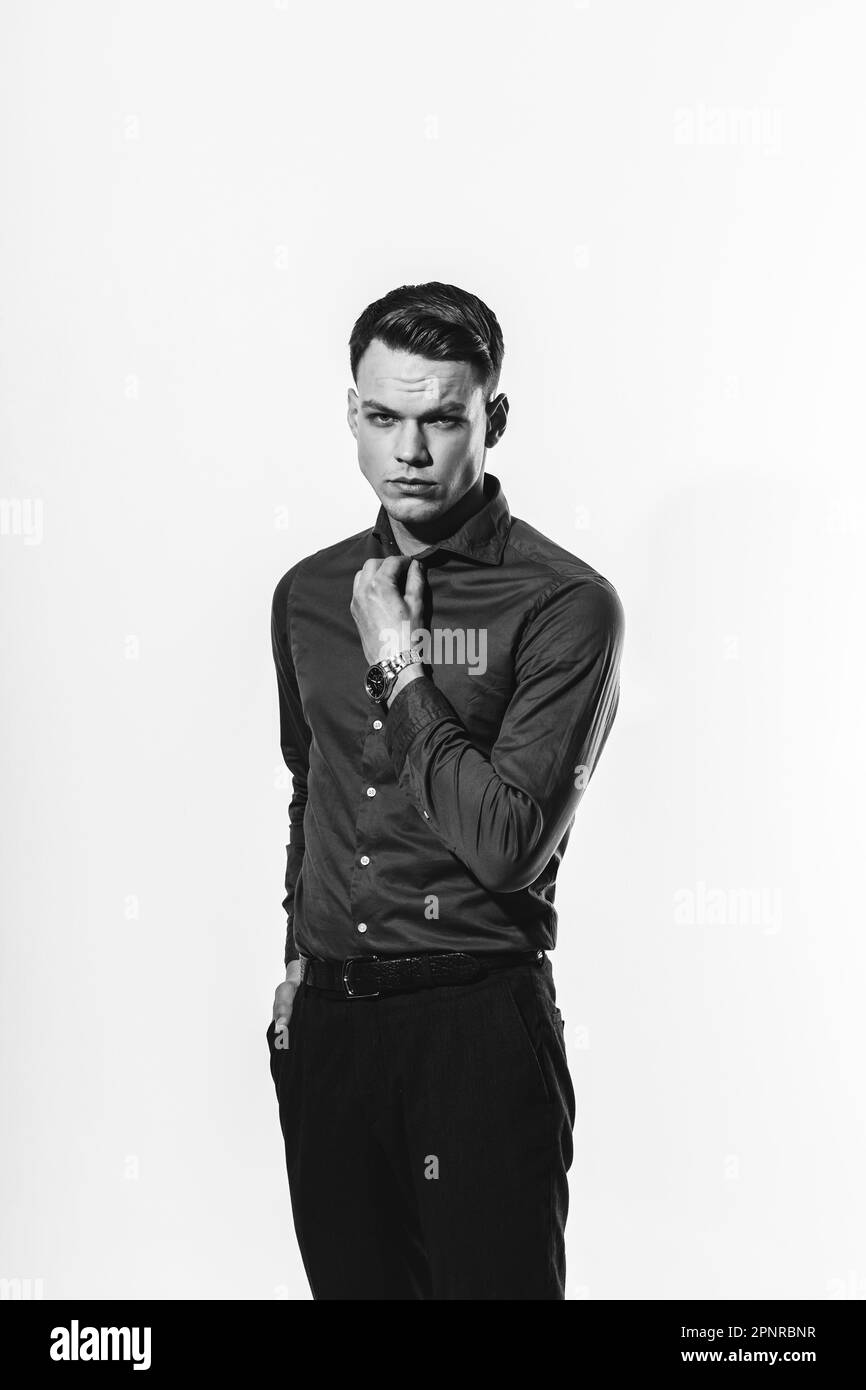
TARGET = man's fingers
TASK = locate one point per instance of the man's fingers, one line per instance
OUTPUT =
(391, 569)
(284, 1000)
(365, 573)
(414, 591)
(371, 570)
(388, 573)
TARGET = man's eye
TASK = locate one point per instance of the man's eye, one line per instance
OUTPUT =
(445, 422)
(378, 418)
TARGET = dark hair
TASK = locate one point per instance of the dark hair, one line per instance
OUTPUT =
(437, 321)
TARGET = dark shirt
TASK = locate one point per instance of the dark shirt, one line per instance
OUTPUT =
(440, 823)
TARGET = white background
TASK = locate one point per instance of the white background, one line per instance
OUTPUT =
(663, 204)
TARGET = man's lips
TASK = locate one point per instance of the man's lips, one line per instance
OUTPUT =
(411, 482)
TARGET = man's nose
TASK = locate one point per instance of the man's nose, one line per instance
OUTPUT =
(411, 445)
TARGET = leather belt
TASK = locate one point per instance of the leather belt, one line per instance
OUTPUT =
(366, 977)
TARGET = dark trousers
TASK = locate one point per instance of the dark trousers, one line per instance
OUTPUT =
(428, 1137)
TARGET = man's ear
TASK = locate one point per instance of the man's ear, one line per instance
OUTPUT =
(352, 411)
(497, 419)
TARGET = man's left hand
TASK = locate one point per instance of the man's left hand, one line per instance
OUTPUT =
(386, 613)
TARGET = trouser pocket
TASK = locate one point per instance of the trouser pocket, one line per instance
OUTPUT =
(277, 1050)
(539, 1030)
(532, 1025)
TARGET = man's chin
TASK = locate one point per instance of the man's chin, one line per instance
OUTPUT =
(409, 509)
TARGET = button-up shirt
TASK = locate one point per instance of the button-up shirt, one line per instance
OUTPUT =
(440, 823)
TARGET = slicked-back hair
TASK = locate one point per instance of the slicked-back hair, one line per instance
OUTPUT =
(438, 321)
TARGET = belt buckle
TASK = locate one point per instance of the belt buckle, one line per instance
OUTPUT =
(355, 994)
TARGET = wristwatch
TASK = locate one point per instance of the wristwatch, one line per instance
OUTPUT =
(379, 681)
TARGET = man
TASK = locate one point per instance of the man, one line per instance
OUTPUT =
(447, 681)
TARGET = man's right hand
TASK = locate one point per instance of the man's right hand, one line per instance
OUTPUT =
(284, 1000)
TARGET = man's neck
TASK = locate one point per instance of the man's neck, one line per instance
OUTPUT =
(417, 538)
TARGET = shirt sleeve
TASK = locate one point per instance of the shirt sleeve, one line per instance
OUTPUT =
(504, 815)
(295, 745)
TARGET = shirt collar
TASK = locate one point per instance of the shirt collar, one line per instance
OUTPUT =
(482, 537)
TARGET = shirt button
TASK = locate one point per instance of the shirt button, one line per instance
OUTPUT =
(362, 926)
(377, 723)
(365, 859)
(371, 791)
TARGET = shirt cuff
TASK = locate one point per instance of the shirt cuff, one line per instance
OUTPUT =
(418, 705)
(291, 951)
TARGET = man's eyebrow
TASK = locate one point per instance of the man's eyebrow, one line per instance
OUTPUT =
(456, 410)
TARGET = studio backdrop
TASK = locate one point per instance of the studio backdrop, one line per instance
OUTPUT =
(663, 206)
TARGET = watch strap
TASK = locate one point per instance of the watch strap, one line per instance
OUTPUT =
(409, 657)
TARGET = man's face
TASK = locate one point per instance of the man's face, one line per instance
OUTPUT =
(421, 428)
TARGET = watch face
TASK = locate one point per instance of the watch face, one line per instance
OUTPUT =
(376, 683)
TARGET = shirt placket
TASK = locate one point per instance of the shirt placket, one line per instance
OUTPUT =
(369, 835)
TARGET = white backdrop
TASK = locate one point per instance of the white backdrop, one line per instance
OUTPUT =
(663, 205)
